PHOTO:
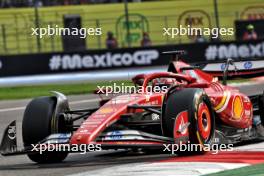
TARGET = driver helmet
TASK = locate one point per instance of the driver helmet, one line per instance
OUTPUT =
(167, 82)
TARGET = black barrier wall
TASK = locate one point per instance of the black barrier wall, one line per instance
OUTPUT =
(50, 63)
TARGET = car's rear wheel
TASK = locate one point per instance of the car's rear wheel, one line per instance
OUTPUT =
(261, 108)
(38, 123)
(200, 117)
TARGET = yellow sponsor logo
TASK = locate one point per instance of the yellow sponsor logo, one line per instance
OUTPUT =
(106, 110)
(238, 108)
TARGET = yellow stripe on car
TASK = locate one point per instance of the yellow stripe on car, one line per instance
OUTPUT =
(222, 102)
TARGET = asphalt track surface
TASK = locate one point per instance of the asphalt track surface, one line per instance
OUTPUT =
(75, 163)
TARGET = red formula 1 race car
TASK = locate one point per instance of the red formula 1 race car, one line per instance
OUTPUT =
(189, 106)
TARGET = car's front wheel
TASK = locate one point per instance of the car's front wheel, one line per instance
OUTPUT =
(38, 123)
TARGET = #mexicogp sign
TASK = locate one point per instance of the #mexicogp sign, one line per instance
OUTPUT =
(50, 63)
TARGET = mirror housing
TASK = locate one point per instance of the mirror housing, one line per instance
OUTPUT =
(229, 61)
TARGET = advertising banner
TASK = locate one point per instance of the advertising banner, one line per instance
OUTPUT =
(50, 63)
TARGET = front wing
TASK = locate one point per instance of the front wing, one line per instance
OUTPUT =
(119, 139)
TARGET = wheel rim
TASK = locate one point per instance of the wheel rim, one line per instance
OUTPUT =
(204, 121)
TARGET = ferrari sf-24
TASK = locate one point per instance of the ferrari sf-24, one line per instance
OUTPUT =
(196, 108)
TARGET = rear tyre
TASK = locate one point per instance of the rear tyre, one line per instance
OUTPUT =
(200, 116)
(38, 123)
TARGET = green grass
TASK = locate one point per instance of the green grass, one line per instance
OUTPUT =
(42, 90)
(255, 170)
(238, 81)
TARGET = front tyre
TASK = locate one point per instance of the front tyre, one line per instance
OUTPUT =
(38, 123)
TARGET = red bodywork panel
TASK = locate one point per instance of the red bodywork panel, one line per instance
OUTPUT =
(108, 114)
(231, 106)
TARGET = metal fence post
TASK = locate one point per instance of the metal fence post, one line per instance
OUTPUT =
(17, 35)
(36, 12)
(216, 14)
(166, 26)
(127, 23)
(52, 39)
(4, 37)
(99, 41)
(237, 15)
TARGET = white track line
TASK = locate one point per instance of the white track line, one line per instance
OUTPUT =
(163, 168)
(12, 109)
(71, 103)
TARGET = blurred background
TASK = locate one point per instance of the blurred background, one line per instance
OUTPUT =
(17, 17)
(131, 43)
(131, 30)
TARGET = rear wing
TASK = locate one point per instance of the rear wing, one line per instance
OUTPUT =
(222, 68)
(242, 68)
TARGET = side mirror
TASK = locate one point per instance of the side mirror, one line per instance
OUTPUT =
(102, 95)
(100, 91)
